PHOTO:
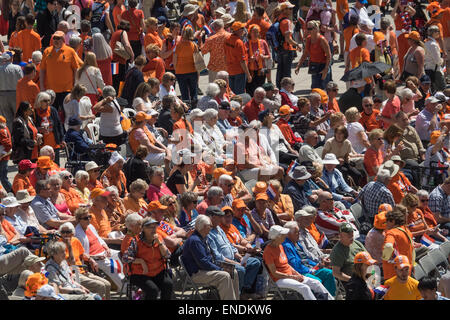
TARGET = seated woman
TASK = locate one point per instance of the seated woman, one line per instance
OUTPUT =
(280, 204)
(283, 274)
(136, 166)
(436, 157)
(239, 190)
(114, 176)
(73, 198)
(93, 245)
(373, 158)
(157, 188)
(94, 172)
(173, 208)
(75, 255)
(133, 224)
(186, 218)
(356, 132)
(56, 197)
(148, 255)
(391, 144)
(295, 253)
(59, 273)
(212, 136)
(134, 201)
(22, 180)
(115, 209)
(80, 144)
(178, 182)
(429, 216)
(340, 190)
(82, 181)
(262, 214)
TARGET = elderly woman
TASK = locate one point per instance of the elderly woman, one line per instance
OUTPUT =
(148, 255)
(208, 101)
(167, 86)
(48, 123)
(110, 114)
(157, 188)
(373, 158)
(134, 201)
(73, 198)
(59, 273)
(283, 274)
(336, 119)
(22, 178)
(133, 224)
(212, 135)
(26, 213)
(19, 292)
(94, 172)
(222, 95)
(287, 95)
(115, 209)
(114, 176)
(294, 252)
(356, 133)
(75, 255)
(24, 134)
(262, 214)
(280, 204)
(188, 213)
(173, 208)
(436, 156)
(408, 98)
(94, 246)
(433, 60)
(82, 181)
(56, 197)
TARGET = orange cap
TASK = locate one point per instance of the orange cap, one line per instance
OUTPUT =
(2, 119)
(378, 36)
(227, 208)
(97, 192)
(402, 262)
(434, 8)
(413, 35)
(262, 196)
(228, 162)
(34, 283)
(220, 171)
(238, 204)
(59, 34)
(323, 95)
(142, 116)
(364, 257)
(260, 187)
(285, 110)
(44, 162)
(379, 221)
(237, 26)
(434, 136)
(384, 207)
(155, 205)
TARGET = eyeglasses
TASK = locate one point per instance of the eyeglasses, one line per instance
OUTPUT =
(309, 29)
(66, 231)
(68, 177)
(57, 38)
(86, 218)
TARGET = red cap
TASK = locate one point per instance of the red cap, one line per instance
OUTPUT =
(26, 164)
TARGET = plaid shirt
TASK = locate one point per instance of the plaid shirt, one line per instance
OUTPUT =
(439, 202)
(373, 194)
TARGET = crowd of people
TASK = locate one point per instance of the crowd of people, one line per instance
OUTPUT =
(236, 184)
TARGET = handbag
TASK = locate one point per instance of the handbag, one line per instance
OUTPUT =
(199, 61)
(315, 67)
(124, 121)
(119, 49)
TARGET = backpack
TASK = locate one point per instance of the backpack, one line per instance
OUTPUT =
(98, 18)
(346, 18)
(274, 37)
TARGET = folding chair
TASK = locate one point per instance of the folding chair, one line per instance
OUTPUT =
(439, 260)
(427, 265)
(340, 290)
(357, 211)
(445, 249)
(272, 287)
(418, 272)
(188, 283)
(94, 131)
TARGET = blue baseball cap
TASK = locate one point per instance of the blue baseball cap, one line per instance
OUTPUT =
(363, 1)
(162, 20)
(425, 79)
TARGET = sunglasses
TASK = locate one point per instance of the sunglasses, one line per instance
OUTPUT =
(309, 29)
(86, 218)
(68, 177)
(335, 90)
(57, 38)
(66, 231)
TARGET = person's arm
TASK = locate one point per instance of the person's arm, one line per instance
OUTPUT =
(273, 270)
(174, 60)
(420, 58)
(255, 225)
(302, 59)
(103, 106)
(108, 23)
(202, 259)
(326, 48)
(362, 137)
(127, 46)
(338, 274)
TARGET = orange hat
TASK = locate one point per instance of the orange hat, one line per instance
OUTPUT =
(227, 208)
(220, 171)
(34, 283)
(262, 196)
(364, 257)
(228, 162)
(237, 26)
(379, 221)
(434, 9)
(323, 95)
(254, 26)
(142, 116)
(434, 136)
(286, 5)
(155, 205)
(402, 262)
(97, 192)
(260, 186)
(238, 204)
(413, 35)
(2, 119)
(285, 110)
(384, 207)
(378, 36)
(59, 34)
(44, 162)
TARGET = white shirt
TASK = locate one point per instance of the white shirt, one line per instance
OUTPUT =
(370, 43)
(364, 17)
(274, 135)
(213, 138)
(353, 129)
(85, 109)
(92, 79)
(110, 122)
(72, 108)
(163, 92)
(28, 217)
(432, 55)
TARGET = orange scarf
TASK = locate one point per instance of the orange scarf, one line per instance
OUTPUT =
(258, 64)
(9, 229)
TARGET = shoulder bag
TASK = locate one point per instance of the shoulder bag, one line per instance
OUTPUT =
(199, 62)
(119, 49)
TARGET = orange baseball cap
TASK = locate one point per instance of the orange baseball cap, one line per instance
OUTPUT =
(59, 34)
(155, 205)
(364, 257)
(34, 283)
(434, 8)
(379, 221)
(434, 136)
(378, 36)
(44, 162)
(220, 171)
(238, 204)
(413, 35)
(323, 95)
(260, 187)
(384, 207)
(97, 192)
(402, 262)
(237, 25)
(142, 116)
(2, 119)
(285, 110)
(262, 196)
(227, 208)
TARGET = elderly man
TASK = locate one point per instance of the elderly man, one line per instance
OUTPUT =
(222, 123)
(46, 213)
(304, 120)
(307, 152)
(226, 183)
(58, 68)
(343, 254)
(376, 193)
(214, 197)
(402, 286)
(329, 217)
(295, 188)
(223, 251)
(200, 264)
(255, 105)
(427, 119)
(272, 100)
(244, 221)
(439, 203)
(214, 45)
(317, 112)
(10, 74)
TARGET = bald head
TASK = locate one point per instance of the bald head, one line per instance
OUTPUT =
(323, 196)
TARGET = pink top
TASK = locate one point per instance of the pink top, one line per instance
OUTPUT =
(154, 193)
(201, 207)
(105, 70)
(62, 207)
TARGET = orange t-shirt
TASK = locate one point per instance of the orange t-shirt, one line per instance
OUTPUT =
(358, 55)
(314, 232)
(399, 186)
(339, 4)
(155, 68)
(13, 40)
(276, 256)
(349, 32)
(415, 221)
(263, 25)
(402, 244)
(315, 50)
(372, 158)
(152, 37)
(117, 14)
(95, 247)
(26, 90)
(126, 243)
(73, 199)
(139, 206)
(333, 105)
(235, 52)
(370, 122)
(134, 17)
(77, 250)
(232, 233)
(81, 48)
(286, 28)
(185, 57)
(60, 68)
(29, 41)
(151, 254)
(444, 22)
(101, 223)
(22, 183)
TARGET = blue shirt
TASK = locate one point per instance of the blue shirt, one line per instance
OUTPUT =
(335, 181)
(44, 211)
(224, 125)
(18, 223)
(298, 195)
(422, 123)
(184, 218)
(197, 255)
(294, 259)
(245, 231)
(220, 245)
